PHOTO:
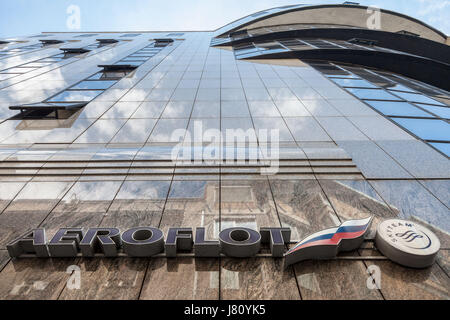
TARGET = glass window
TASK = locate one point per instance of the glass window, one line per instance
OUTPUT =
(130, 35)
(74, 95)
(443, 147)
(134, 63)
(409, 83)
(269, 45)
(354, 83)
(291, 42)
(399, 87)
(135, 59)
(155, 152)
(346, 76)
(245, 50)
(91, 191)
(329, 69)
(50, 60)
(247, 55)
(115, 154)
(156, 190)
(109, 75)
(188, 190)
(43, 190)
(87, 35)
(37, 64)
(394, 108)
(165, 128)
(263, 109)
(369, 76)
(426, 129)
(375, 94)
(444, 98)
(443, 112)
(417, 97)
(96, 76)
(18, 70)
(4, 76)
(148, 51)
(94, 85)
(140, 55)
(321, 44)
(68, 55)
(8, 190)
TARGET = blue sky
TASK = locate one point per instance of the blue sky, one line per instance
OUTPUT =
(25, 17)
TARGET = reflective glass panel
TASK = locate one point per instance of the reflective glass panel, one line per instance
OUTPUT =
(18, 70)
(443, 147)
(393, 108)
(6, 76)
(134, 63)
(443, 112)
(96, 76)
(354, 83)
(426, 129)
(144, 190)
(376, 94)
(135, 59)
(36, 64)
(396, 86)
(74, 95)
(417, 98)
(94, 85)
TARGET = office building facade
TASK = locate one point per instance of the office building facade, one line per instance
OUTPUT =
(341, 112)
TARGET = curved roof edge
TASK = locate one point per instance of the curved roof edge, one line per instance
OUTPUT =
(426, 70)
(395, 41)
(273, 12)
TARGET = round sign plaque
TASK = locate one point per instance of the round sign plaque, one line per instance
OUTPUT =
(407, 243)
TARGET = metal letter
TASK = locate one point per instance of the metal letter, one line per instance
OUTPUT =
(143, 241)
(178, 238)
(33, 241)
(106, 240)
(240, 242)
(277, 237)
(65, 242)
(205, 248)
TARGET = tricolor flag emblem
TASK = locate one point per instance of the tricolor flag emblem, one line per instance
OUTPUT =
(326, 244)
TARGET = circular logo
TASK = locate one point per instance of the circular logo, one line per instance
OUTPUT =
(407, 243)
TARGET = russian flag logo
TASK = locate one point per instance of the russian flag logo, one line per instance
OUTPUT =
(326, 244)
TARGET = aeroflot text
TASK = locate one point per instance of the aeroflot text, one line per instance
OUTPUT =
(148, 241)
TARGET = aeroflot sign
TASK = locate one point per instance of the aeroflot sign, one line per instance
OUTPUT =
(148, 241)
(401, 241)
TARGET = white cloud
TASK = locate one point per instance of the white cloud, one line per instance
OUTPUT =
(432, 6)
(435, 13)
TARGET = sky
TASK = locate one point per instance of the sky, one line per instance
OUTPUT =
(26, 17)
